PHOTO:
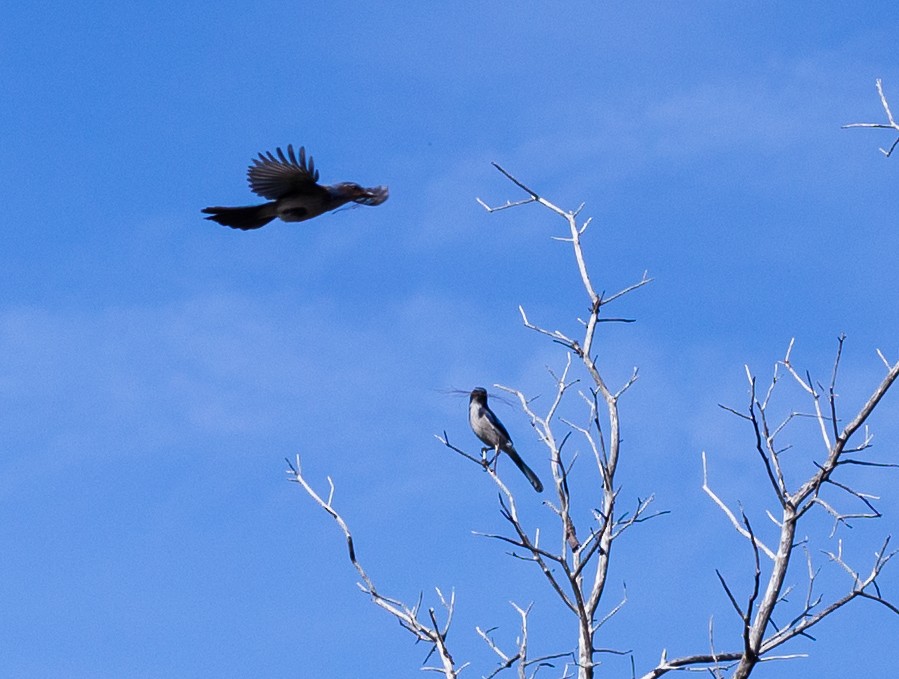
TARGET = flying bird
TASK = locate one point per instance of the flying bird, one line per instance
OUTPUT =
(291, 184)
(487, 427)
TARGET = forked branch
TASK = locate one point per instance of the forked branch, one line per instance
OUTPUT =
(408, 617)
(760, 636)
(889, 125)
(581, 594)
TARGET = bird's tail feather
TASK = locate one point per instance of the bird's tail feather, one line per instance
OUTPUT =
(527, 471)
(245, 218)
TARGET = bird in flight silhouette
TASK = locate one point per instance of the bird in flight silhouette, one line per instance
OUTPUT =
(487, 427)
(291, 185)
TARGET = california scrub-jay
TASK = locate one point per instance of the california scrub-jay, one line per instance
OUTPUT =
(293, 189)
(487, 427)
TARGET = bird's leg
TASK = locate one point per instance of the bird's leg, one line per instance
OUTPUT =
(495, 457)
(485, 462)
(489, 462)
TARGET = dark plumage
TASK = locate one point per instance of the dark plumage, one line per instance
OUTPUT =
(291, 184)
(487, 427)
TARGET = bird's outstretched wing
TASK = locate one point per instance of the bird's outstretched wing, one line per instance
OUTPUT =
(273, 178)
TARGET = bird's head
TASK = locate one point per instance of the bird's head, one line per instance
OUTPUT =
(360, 194)
(478, 395)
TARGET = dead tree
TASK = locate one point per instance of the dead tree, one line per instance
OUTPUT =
(575, 561)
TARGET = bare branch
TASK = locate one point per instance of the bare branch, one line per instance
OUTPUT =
(763, 440)
(750, 651)
(480, 461)
(645, 280)
(727, 512)
(813, 485)
(406, 616)
(807, 385)
(730, 595)
(889, 125)
(554, 334)
(507, 205)
(585, 596)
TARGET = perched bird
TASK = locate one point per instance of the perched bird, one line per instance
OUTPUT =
(487, 427)
(291, 184)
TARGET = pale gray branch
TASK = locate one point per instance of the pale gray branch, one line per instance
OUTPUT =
(728, 513)
(407, 616)
(889, 125)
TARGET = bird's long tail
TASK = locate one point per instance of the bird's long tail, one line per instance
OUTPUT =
(245, 218)
(527, 471)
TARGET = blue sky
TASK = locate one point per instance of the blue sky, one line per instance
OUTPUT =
(155, 368)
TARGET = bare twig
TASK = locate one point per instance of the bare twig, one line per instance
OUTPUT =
(575, 556)
(728, 513)
(889, 125)
(407, 616)
(758, 641)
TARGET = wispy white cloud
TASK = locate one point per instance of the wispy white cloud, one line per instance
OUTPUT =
(190, 374)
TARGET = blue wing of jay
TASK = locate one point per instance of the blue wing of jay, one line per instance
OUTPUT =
(487, 427)
(291, 185)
